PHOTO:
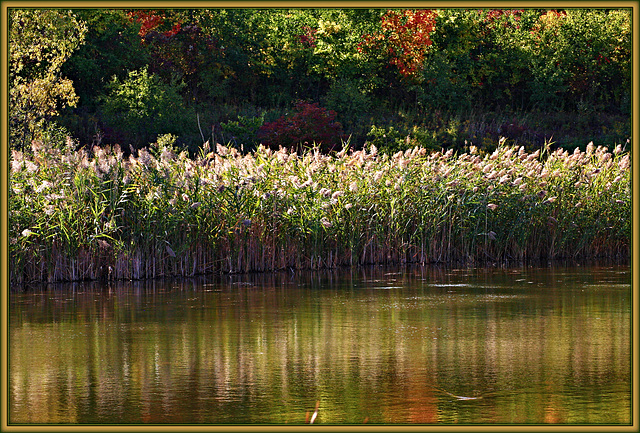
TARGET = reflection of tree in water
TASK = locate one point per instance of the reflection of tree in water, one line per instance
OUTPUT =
(409, 347)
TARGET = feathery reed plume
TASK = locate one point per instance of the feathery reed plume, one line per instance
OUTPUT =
(164, 214)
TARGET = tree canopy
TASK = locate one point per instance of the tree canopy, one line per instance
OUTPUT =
(41, 41)
(124, 76)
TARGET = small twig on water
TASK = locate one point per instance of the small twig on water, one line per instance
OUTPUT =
(457, 397)
(315, 413)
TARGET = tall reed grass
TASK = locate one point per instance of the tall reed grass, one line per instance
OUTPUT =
(94, 214)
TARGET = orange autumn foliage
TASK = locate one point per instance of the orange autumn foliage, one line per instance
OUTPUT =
(405, 38)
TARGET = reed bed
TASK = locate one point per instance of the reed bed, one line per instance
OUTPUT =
(93, 214)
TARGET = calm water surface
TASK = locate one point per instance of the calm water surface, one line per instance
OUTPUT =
(416, 345)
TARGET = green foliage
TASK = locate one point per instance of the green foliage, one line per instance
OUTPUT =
(40, 41)
(388, 140)
(189, 54)
(165, 142)
(243, 133)
(346, 98)
(530, 59)
(447, 88)
(54, 135)
(405, 137)
(142, 106)
(591, 53)
(112, 48)
(224, 63)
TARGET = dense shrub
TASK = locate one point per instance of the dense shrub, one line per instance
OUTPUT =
(142, 106)
(308, 125)
(529, 59)
(348, 100)
(242, 133)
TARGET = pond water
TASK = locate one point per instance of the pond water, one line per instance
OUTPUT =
(372, 345)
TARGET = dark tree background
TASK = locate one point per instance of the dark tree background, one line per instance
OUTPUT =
(395, 78)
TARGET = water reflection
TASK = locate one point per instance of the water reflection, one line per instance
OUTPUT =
(417, 345)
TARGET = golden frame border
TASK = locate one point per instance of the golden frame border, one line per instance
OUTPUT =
(4, 158)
